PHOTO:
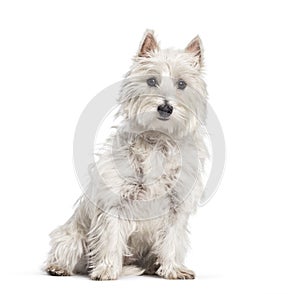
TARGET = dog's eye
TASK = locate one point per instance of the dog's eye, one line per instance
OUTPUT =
(152, 82)
(181, 84)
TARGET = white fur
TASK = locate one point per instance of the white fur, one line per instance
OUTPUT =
(133, 217)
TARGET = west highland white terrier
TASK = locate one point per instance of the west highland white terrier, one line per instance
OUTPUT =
(133, 217)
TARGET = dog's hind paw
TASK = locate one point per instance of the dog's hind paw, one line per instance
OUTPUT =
(54, 270)
(177, 273)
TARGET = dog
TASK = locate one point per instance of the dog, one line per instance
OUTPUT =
(133, 217)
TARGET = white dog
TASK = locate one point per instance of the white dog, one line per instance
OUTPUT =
(133, 217)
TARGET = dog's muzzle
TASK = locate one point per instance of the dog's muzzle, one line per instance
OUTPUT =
(165, 110)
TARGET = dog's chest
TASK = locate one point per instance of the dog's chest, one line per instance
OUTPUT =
(156, 162)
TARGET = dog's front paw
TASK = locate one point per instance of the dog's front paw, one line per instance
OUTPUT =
(55, 270)
(104, 273)
(174, 273)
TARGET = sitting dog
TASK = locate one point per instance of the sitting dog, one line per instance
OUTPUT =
(133, 217)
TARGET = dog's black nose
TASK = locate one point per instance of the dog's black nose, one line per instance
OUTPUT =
(165, 110)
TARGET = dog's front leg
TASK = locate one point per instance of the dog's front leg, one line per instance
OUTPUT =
(171, 248)
(107, 244)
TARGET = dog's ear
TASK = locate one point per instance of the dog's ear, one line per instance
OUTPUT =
(195, 47)
(148, 44)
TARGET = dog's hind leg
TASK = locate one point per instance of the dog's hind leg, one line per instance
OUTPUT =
(68, 246)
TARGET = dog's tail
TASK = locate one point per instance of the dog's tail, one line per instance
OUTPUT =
(131, 270)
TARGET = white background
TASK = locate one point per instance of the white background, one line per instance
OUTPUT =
(57, 55)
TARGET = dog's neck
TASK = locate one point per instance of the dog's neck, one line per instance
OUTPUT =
(147, 133)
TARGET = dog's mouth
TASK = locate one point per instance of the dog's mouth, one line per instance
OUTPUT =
(163, 118)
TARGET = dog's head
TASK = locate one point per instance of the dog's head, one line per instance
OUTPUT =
(164, 89)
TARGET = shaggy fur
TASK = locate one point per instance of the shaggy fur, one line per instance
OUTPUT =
(133, 217)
